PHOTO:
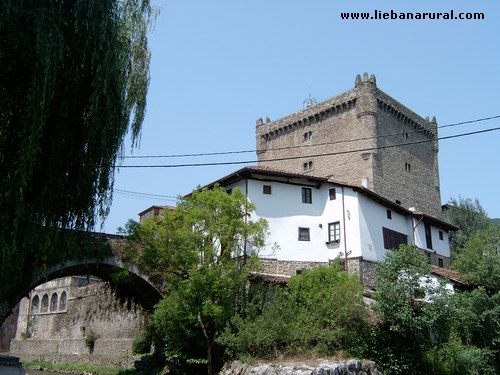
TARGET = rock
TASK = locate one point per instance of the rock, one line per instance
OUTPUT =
(321, 367)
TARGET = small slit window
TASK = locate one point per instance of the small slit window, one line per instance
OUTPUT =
(407, 167)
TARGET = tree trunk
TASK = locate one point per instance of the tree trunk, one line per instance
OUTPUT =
(210, 364)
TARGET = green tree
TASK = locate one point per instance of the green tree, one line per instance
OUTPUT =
(74, 79)
(200, 248)
(469, 216)
(478, 310)
(320, 312)
(479, 260)
(413, 309)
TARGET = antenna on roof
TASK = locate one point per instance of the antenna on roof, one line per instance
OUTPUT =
(309, 101)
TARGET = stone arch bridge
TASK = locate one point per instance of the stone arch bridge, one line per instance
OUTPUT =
(101, 255)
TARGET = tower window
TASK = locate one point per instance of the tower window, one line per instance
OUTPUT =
(308, 136)
(406, 135)
(308, 166)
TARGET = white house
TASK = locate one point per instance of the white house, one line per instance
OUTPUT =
(316, 220)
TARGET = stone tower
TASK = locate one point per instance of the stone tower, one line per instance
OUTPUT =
(361, 137)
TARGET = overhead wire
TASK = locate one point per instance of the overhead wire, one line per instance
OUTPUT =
(304, 146)
(146, 195)
(309, 156)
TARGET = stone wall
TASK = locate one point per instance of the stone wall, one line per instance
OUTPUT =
(8, 330)
(92, 309)
(286, 267)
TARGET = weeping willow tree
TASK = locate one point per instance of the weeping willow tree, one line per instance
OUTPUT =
(73, 81)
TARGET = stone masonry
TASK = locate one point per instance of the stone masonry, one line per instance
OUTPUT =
(91, 307)
(359, 138)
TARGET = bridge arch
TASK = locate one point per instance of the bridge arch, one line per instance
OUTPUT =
(134, 282)
(127, 278)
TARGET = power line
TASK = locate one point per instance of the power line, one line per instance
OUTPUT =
(145, 195)
(309, 156)
(302, 146)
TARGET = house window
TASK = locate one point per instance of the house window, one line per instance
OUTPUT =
(307, 195)
(393, 239)
(266, 189)
(229, 191)
(407, 167)
(333, 194)
(441, 236)
(428, 235)
(389, 214)
(334, 232)
(440, 262)
(304, 234)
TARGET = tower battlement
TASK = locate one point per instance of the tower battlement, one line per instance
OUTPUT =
(362, 134)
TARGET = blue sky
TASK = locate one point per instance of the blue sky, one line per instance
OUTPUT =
(219, 65)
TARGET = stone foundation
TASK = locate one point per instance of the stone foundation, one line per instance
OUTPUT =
(107, 347)
(365, 270)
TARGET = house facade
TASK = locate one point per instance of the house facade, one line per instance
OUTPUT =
(315, 220)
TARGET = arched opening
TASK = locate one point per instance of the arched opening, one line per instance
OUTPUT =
(35, 305)
(63, 301)
(53, 302)
(45, 304)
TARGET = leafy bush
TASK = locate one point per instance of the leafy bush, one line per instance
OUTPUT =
(141, 343)
(321, 312)
(90, 339)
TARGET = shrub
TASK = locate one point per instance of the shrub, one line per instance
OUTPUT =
(141, 343)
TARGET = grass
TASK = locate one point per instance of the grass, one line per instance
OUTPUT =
(79, 367)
